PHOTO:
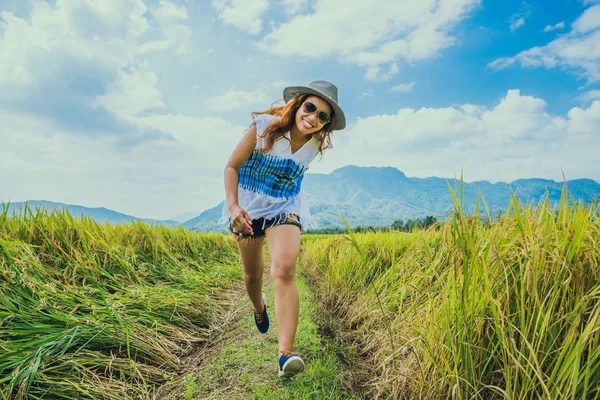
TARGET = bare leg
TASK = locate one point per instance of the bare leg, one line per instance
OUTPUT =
(254, 266)
(283, 242)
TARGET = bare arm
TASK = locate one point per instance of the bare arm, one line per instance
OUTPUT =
(240, 220)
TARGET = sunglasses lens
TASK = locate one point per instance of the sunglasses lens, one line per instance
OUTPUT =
(324, 118)
(309, 107)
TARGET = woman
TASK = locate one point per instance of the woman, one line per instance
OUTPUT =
(263, 181)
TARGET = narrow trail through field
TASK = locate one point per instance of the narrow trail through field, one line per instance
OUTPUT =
(240, 363)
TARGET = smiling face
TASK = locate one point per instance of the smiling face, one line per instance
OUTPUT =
(308, 123)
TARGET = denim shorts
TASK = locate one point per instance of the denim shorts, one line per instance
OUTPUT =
(259, 225)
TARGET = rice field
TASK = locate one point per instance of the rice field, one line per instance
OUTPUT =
(93, 311)
(472, 308)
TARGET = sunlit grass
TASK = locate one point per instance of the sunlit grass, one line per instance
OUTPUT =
(99, 311)
(471, 309)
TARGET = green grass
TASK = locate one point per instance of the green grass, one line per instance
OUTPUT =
(96, 311)
(472, 309)
(244, 365)
(469, 309)
(103, 312)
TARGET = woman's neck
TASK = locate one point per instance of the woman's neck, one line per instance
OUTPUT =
(297, 136)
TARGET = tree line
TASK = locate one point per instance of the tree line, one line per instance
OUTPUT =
(398, 225)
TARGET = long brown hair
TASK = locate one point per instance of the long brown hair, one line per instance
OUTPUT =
(287, 114)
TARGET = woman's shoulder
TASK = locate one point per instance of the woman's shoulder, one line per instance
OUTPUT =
(262, 121)
(264, 118)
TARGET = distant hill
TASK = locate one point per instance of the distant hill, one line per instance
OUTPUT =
(370, 196)
(100, 214)
(207, 221)
(185, 216)
(374, 196)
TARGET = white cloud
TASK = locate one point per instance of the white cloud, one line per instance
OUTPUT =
(86, 56)
(71, 29)
(589, 96)
(293, 7)
(517, 20)
(175, 36)
(133, 92)
(550, 28)
(501, 63)
(155, 179)
(24, 122)
(518, 23)
(403, 87)
(368, 93)
(168, 11)
(183, 168)
(109, 34)
(374, 73)
(515, 139)
(370, 33)
(472, 109)
(100, 61)
(579, 50)
(254, 100)
(243, 14)
(588, 21)
(235, 99)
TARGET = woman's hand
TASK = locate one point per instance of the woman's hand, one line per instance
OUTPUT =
(240, 220)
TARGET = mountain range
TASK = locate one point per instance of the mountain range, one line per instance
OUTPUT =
(378, 196)
(100, 214)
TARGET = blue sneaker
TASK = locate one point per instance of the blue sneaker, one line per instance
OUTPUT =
(290, 364)
(262, 318)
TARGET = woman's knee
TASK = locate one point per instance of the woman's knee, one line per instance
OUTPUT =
(253, 273)
(283, 271)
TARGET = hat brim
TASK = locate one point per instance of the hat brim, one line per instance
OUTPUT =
(340, 117)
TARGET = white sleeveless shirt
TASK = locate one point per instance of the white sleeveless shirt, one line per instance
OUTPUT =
(269, 184)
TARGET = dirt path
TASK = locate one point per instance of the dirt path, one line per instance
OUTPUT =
(240, 363)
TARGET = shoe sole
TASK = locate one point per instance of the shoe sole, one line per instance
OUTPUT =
(293, 366)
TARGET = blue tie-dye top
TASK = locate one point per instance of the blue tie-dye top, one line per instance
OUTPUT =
(269, 184)
(271, 175)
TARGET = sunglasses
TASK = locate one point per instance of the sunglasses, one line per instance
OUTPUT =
(310, 108)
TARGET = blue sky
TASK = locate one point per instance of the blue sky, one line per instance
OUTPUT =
(136, 105)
